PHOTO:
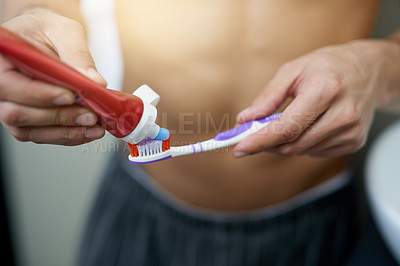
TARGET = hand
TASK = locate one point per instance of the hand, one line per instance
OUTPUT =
(334, 93)
(36, 111)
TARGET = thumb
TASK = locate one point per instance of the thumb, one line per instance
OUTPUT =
(72, 49)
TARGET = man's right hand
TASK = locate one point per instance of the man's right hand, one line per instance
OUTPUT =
(36, 111)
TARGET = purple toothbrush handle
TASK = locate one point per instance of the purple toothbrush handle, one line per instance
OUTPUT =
(231, 133)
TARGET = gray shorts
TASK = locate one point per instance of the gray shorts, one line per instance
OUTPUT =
(135, 222)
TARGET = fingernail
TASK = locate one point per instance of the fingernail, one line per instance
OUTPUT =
(239, 154)
(86, 119)
(94, 133)
(64, 99)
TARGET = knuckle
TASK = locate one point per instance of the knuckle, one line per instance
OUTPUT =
(81, 53)
(72, 134)
(10, 114)
(56, 117)
(356, 133)
(326, 84)
(332, 84)
(349, 116)
(354, 148)
(20, 134)
(257, 147)
(288, 150)
(59, 117)
(68, 22)
(290, 132)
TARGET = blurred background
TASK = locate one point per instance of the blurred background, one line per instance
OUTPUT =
(49, 189)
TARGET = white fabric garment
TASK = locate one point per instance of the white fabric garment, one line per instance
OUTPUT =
(103, 40)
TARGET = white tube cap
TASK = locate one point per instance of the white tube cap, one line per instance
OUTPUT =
(146, 126)
(147, 95)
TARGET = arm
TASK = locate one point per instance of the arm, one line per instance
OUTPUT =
(335, 92)
(35, 111)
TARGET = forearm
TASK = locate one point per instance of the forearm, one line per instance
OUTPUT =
(67, 8)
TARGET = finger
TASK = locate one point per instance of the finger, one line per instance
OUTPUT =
(297, 117)
(272, 97)
(339, 150)
(350, 137)
(18, 88)
(72, 49)
(68, 136)
(333, 127)
(20, 115)
(312, 99)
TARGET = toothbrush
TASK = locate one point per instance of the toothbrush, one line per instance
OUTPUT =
(150, 151)
(129, 117)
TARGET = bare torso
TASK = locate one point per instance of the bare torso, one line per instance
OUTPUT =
(208, 60)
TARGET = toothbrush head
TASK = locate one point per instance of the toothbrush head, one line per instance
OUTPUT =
(149, 151)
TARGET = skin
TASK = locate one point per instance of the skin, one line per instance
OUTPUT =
(226, 59)
(35, 111)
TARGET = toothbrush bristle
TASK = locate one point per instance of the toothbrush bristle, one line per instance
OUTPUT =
(149, 147)
(133, 150)
(166, 144)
